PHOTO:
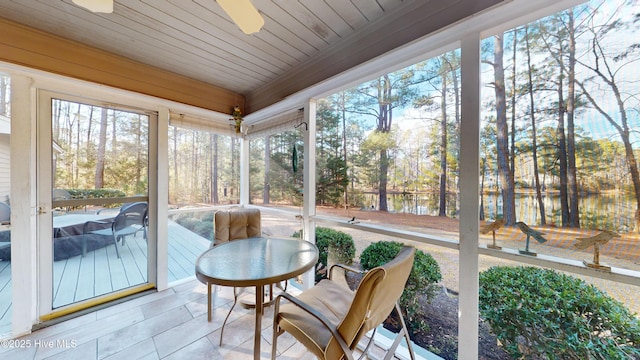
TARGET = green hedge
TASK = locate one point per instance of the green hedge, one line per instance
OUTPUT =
(342, 243)
(542, 314)
(425, 273)
(200, 223)
(95, 193)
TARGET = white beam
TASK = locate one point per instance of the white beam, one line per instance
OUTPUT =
(309, 189)
(23, 200)
(469, 200)
(159, 214)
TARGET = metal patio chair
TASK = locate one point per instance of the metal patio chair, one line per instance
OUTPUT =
(329, 319)
(130, 220)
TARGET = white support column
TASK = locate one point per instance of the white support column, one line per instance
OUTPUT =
(244, 171)
(162, 201)
(23, 204)
(468, 313)
(309, 189)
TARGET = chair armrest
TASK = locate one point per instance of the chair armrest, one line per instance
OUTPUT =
(345, 267)
(313, 312)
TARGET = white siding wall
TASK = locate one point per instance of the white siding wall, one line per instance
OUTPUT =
(4, 166)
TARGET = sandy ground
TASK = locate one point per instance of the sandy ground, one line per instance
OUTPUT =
(623, 252)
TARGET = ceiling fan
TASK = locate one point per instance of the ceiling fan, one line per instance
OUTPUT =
(242, 12)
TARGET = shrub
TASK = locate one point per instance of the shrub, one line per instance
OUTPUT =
(342, 243)
(207, 217)
(540, 313)
(95, 193)
(424, 274)
(202, 227)
(188, 222)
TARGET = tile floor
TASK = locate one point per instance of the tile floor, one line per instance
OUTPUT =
(171, 324)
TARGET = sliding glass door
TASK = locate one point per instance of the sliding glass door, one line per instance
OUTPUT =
(93, 192)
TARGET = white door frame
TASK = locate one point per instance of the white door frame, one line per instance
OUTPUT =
(44, 182)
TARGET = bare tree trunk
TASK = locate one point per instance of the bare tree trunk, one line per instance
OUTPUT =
(89, 127)
(195, 166)
(214, 187)
(620, 123)
(506, 179)
(512, 152)
(456, 92)
(56, 124)
(77, 153)
(114, 139)
(267, 169)
(64, 137)
(344, 145)
(233, 166)
(534, 135)
(443, 147)
(572, 180)
(483, 168)
(562, 148)
(382, 185)
(138, 130)
(384, 126)
(102, 141)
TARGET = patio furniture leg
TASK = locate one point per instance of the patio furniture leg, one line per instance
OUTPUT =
(258, 329)
(115, 243)
(209, 302)
(402, 334)
(235, 301)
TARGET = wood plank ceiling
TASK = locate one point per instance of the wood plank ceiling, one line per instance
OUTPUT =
(303, 42)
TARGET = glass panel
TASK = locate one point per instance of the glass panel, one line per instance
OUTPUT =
(525, 303)
(559, 148)
(274, 177)
(568, 171)
(401, 142)
(100, 200)
(5, 205)
(203, 172)
(387, 155)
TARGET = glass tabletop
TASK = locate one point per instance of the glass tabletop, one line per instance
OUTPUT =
(255, 261)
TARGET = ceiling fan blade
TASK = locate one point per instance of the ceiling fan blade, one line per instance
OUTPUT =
(244, 14)
(101, 6)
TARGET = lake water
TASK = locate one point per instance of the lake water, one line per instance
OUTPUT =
(602, 211)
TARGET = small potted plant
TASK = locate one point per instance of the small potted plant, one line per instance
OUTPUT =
(237, 118)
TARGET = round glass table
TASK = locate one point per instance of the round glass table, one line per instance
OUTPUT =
(254, 262)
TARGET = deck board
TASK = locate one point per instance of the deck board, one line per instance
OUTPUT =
(66, 289)
(119, 278)
(101, 272)
(86, 276)
(5, 296)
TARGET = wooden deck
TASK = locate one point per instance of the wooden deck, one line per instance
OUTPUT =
(101, 271)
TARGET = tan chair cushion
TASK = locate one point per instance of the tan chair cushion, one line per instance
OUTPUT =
(236, 223)
(351, 313)
(328, 298)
